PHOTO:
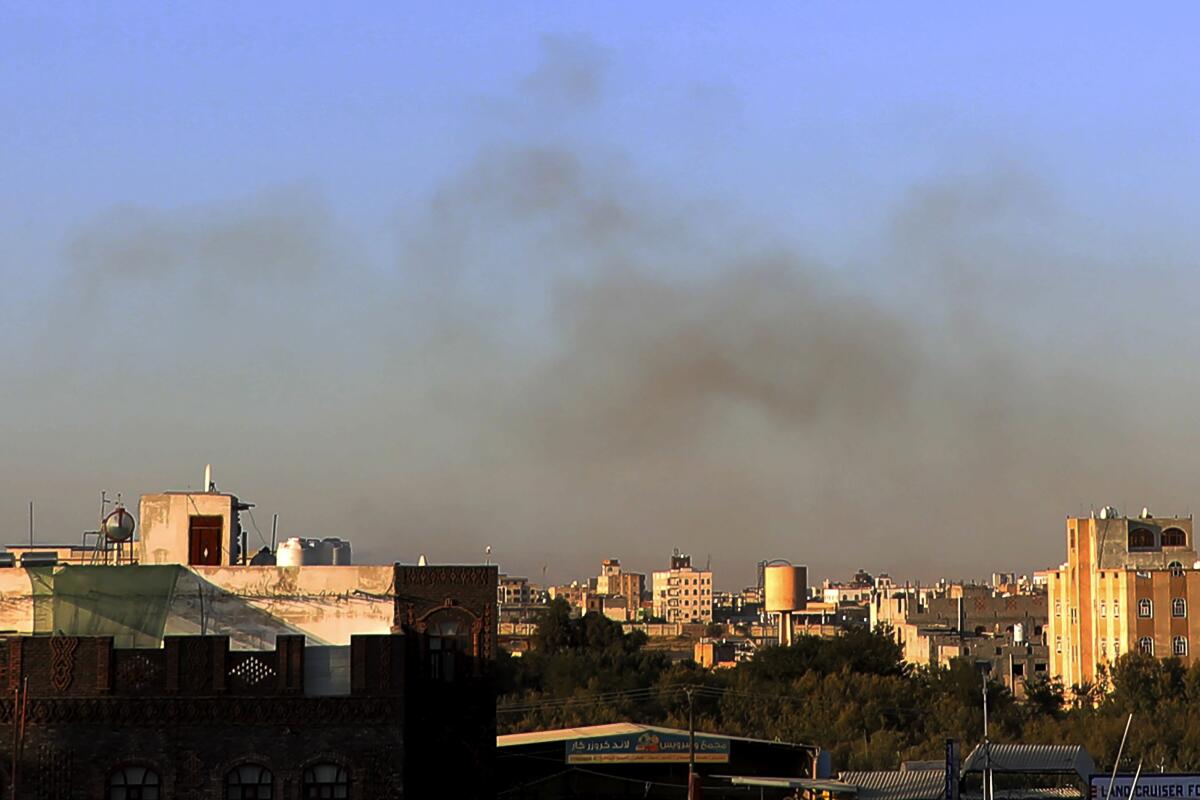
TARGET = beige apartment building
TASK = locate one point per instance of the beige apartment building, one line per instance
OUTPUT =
(1126, 583)
(683, 593)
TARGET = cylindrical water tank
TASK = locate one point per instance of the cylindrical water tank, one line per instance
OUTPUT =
(318, 553)
(786, 587)
(1018, 633)
(290, 553)
(341, 552)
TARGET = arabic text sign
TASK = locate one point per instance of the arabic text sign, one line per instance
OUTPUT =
(1150, 786)
(647, 747)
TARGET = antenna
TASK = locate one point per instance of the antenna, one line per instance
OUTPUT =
(274, 528)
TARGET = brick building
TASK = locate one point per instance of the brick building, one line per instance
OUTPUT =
(410, 713)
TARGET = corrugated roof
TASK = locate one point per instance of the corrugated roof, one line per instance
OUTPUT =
(1033, 793)
(1042, 758)
(813, 784)
(911, 784)
(618, 729)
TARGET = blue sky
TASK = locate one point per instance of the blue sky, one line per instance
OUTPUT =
(1067, 136)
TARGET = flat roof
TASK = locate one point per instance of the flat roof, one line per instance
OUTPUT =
(619, 729)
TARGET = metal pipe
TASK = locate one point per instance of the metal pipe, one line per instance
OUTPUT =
(1117, 761)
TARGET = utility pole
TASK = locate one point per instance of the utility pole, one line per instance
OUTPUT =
(987, 746)
(691, 781)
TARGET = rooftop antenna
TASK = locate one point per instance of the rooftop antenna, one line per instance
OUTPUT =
(487, 554)
(274, 528)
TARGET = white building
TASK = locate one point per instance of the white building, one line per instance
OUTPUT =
(683, 593)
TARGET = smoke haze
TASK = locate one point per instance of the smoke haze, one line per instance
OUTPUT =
(564, 356)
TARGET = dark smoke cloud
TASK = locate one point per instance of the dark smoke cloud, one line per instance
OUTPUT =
(571, 361)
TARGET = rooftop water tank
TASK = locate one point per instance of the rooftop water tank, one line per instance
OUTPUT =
(318, 553)
(341, 552)
(786, 587)
(290, 553)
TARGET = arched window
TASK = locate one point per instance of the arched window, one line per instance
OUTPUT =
(1174, 537)
(133, 783)
(322, 781)
(1145, 608)
(449, 638)
(1179, 607)
(249, 782)
(1176, 569)
(1141, 539)
(1146, 645)
(1179, 646)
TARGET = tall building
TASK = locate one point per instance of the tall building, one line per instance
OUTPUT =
(683, 593)
(614, 582)
(1126, 583)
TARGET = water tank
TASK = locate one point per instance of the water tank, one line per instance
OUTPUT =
(318, 553)
(786, 587)
(341, 552)
(7, 560)
(39, 558)
(290, 553)
(1018, 633)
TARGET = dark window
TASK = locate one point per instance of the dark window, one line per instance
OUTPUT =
(133, 783)
(1174, 537)
(204, 540)
(1146, 645)
(1145, 608)
(1141, 539)
(1018, 670)
(1179, 607)
(1179, 646)
(1176, 569)
(249, 782)
(449, 635)
(323, 781)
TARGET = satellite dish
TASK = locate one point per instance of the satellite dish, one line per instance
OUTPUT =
(118, 526)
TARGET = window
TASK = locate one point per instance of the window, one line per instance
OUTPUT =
(249, 782)
(1058, 608)
(133, 783)
(323, 781)
(449, 633)
(1116, 647)
(1103, 609)
(1176, 569)
(1146, 645)
(1174, 537)
(1145, 608)
(1116, 609)
(1179, 645)
(1057, 645)
(1179, 607)
(1141, 539)
(1104, 648)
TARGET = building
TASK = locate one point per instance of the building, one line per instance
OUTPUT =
(1126, 584)
(683, 593)
(513, 591)
(1003, 632)
(623, 759)
(614, 581)
(174, 672)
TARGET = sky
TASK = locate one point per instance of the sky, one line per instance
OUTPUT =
(891, 287)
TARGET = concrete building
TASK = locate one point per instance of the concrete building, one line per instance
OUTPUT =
(683, 593)
(614, 581)
(513, 591)
(1127, 583)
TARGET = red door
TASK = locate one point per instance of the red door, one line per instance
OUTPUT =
(204, 541)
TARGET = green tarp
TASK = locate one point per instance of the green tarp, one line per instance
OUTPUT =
(128, 603)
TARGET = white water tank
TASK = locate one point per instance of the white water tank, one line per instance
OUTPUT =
(786, 587)
(290, 553)
(1018, 633)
